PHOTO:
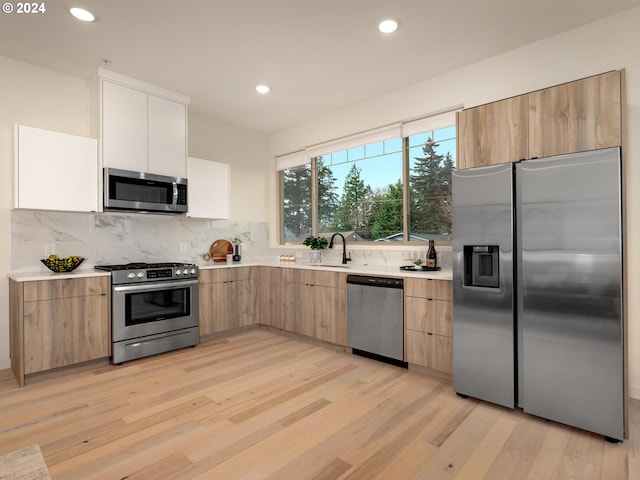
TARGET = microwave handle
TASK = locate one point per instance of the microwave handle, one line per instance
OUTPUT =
(175, 195)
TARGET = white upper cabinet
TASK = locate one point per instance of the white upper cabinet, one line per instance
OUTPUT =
(54, 171)
(124, 127)
(208, 191)
(167, 134)
(141, 127)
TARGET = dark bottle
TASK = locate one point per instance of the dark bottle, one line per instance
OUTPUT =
(236, 253)
(432, 258)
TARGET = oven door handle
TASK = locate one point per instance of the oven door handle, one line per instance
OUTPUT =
(150, 287)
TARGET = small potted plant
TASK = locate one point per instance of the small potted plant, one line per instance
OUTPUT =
(316, 244)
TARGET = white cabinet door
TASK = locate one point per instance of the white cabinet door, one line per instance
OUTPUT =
(208, 191)
(124, 127)
(167, 136)
(55, 171)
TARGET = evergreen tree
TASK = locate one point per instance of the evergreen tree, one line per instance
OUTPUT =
(430, 208)
(296, 209)
(354, 207)
(327, 197)
(388, 219)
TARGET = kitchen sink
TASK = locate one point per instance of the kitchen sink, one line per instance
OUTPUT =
(333, 265)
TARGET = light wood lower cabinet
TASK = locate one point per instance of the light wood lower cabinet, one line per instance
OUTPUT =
(314, 303)
(227, 299)
(55, 323)
(429, 324)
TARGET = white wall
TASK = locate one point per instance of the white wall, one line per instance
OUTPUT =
(608, 44)
(42, 98)
(248, 154)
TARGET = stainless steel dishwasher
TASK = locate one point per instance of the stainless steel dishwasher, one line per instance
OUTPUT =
(375, 325)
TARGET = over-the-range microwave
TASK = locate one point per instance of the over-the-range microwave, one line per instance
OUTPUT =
(144, 192)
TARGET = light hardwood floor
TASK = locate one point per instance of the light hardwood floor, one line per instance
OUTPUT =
(258, 404)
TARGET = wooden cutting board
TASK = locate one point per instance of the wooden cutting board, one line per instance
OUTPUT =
(220, 249)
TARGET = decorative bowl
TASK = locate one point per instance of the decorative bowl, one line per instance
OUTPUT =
(59, 265)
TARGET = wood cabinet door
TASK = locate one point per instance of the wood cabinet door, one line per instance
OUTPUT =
(576, 116)
(270, 295)
(65, 331)
(330, 314)
(244, 306)
(492, 133)
(213, 306)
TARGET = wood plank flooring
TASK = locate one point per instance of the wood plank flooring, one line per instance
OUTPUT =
(261, 405)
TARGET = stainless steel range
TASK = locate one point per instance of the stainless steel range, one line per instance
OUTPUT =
(154, 308)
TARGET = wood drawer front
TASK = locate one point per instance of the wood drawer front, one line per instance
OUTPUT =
(428, 288)
(431, 351)
(224, 274)
(429, 316)
(65, 288)
(315, 277)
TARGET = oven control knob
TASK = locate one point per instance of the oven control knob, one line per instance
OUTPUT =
(193, 271)
(140, 274)
(178, 272)
(131, 275)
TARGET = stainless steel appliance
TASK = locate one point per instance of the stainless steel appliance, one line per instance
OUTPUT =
(375, 324)
(144, 192)
(154, 308)
(537, 270)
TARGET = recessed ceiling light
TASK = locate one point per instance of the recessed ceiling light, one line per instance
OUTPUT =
(263, 89)
(388, 26)
(82, 14)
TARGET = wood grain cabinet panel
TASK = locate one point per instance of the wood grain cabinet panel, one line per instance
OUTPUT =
(576, 116)
(429, 288)
(227, 299)
(431, 351)
(427, 315)
(314, 303)
(56, 323)
(65, 331)
(493, 133)
(428, 320)
(270, 296)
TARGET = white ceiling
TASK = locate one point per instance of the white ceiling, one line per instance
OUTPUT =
(317, 56)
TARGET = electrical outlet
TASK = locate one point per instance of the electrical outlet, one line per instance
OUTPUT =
(49, 249)
(183, 248)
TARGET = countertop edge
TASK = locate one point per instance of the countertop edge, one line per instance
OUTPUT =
(37, 276)
(377, 270)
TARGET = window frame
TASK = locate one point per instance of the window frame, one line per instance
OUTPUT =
(406, 194)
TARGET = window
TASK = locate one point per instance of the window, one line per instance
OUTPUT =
(296, 203)
(392, 190)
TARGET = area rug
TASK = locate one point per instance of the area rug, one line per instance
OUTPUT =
(24, 464)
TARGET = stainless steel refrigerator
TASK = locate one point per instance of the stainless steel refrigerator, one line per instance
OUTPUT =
(537, 298)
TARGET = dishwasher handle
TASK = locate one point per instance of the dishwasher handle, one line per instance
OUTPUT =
(385, 282)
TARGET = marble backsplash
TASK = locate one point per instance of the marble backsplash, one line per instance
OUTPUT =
(115, 238)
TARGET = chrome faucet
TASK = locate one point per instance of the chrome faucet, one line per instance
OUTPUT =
(344, 247)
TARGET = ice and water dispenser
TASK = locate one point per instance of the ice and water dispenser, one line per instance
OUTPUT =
(481, 266)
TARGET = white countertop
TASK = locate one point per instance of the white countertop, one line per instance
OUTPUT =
(358, 269)
(34, 276)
